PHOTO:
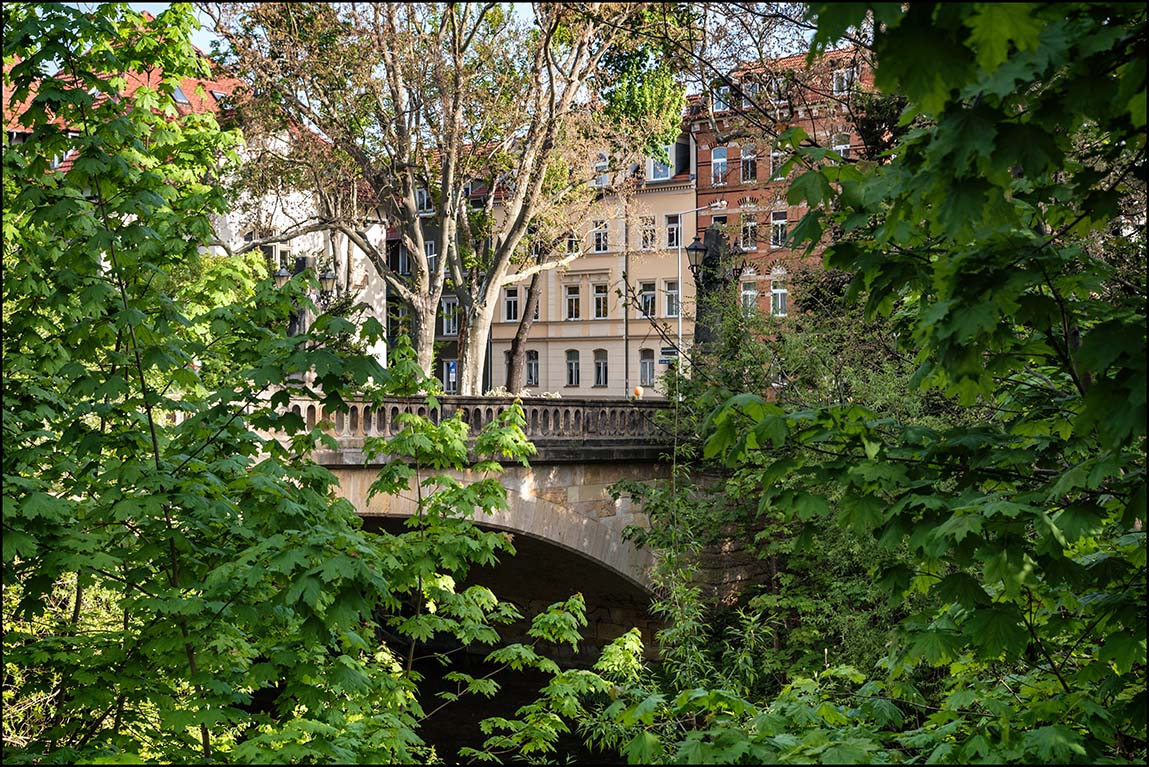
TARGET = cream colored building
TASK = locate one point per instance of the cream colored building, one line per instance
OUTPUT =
(610, 320)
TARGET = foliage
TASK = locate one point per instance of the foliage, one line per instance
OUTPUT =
(181, 583)
(1024, 520)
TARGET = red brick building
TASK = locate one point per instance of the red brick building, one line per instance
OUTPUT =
(736, 127)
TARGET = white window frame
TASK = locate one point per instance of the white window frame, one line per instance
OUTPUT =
(572, 377)
(601, 297)
(573, 296)
(511, 304)
(720, 99)
(404, 260)
(779, 295)
(840, 143)
(449, 305)
(656, 170)
(843, 81)
(574, 245)
(601, 371)
(777, 160)
(749, 235)
(778, 229)
(648, 239)
(180, 97)
(429, 249)
(600, 237)
(647, 299)
(749, 159)
(776, 92)
(748, 296)
(532, 368)
(749, 94)
(423, 201)
(601, 177)
(672, 297)
(646, 367)
(450, 376)
(718, 166)
(673, 230)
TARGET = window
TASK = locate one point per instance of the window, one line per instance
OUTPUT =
(573, 244)
(601, 177)
(511, 305)
(600, 378)
(778, 296)
(718, 165)
(721, 98)
(429, 248)
(671, 294)
(777, 228)
(672, 231)
(573, 302)
(180, 97)
(749, 239)
(749, 163)
(749, 297)
(841, 144)
(532, 368)
(404, 260)
(423, 200)
(450, 376)
(749, 94)
(776, 92)
(218, 95)
(646, 299)
(601, 301)
(660, 171)
(648, 233)
(450, 316)
(400, 321)
(776, 163)
(718, 221)
(572, 367)
(843, 81)
(646, 367)
(601, 237)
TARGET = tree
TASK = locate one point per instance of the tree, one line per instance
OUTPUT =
(428, 103)
(1030, 136)
(1001, 238)
(180, 581)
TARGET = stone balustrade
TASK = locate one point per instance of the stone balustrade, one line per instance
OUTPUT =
(563, 430)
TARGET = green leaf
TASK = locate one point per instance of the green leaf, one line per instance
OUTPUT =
(1054, 743)
(643, 748)
(994, 26)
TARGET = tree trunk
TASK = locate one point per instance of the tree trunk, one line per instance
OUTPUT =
(423, 334)
(516, 377)
(473, 348)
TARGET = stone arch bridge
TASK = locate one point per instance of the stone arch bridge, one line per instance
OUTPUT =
(584, 446)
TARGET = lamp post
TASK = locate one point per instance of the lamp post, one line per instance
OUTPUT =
(716, 205)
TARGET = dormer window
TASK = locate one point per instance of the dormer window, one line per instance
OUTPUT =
(423, 200)
(749, 94)
(658, 170)
(843, 81)
(721, 99)
(180, 97)
(601, 178)
(218, 95)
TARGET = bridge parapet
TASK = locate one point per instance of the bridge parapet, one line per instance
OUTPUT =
(563, 430)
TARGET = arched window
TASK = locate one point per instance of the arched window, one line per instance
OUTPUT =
(600, 371)
(572, 367)
(646, 367)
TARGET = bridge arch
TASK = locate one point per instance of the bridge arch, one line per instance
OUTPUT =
(566, 505)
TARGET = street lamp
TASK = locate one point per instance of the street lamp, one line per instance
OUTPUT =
(716, 205)
(281, 276)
